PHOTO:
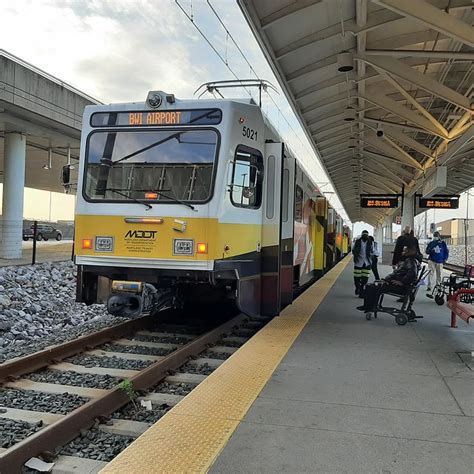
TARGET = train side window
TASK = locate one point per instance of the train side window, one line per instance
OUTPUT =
(247, 178)
(298, 204)
(285, 196)
(270, 187)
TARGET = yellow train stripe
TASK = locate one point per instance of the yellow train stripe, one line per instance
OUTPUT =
(137, 240)
(191, 435)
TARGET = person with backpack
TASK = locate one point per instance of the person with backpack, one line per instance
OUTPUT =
(438, 253)
(362, 253)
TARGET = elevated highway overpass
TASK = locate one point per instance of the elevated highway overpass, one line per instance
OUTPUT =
(40, 128)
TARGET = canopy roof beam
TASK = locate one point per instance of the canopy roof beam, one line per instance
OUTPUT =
(418, 79)
(417, 53)
(283, 13)
(433, 17)
(387, 147)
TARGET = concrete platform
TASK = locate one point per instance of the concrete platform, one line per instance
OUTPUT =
(363, 396)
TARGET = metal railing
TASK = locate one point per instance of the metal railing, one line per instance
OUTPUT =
(30, 242)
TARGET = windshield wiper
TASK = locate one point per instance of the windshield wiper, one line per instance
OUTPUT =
(148, 206)
(173, 199)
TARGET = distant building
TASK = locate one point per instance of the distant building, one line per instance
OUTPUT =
(454, 228)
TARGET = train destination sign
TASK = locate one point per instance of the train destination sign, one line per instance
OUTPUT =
(378, 202)
(439, 203)
(157, 117)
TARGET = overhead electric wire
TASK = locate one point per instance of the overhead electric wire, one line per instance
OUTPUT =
(226, 64)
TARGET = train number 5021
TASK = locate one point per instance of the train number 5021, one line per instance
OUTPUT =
(249, 133)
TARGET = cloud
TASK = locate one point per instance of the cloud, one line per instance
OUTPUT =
(118, 50)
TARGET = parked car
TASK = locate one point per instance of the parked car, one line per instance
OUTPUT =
(43, 232)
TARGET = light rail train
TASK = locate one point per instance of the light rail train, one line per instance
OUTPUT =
(187, 201)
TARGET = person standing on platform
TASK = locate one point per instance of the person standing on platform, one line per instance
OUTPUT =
(362, 253)
(438, 253)
(407, 239)
(375, 258)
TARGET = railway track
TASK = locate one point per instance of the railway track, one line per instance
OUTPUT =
(84, 398)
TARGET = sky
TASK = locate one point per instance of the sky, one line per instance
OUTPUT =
(118, 50)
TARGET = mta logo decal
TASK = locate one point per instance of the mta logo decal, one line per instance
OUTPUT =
(140, 234)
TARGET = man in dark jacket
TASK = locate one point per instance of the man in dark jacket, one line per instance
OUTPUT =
(407, 239)
(362, 253)
(397, 282)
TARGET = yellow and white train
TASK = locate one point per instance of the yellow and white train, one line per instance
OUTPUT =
(198, 199)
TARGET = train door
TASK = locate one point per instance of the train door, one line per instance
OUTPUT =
(287, 231)
(271, 229)
(319, 236)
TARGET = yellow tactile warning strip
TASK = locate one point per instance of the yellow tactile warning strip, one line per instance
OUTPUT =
(192, 434)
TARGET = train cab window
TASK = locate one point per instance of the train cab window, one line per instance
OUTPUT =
(298, 204)
(247, 178)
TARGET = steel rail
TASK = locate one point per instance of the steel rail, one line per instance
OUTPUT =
(45, 357)
(67, 428)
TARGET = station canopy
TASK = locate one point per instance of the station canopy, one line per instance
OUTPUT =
(394, 105)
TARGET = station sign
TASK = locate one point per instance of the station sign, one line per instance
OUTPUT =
(387, 202)
(439, 203)
(436, 182)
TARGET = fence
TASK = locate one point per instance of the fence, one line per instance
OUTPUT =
(461, 251)
(30, 242)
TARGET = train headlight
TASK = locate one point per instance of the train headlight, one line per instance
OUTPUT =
(154, 99)
(87, 244)
(201, 247)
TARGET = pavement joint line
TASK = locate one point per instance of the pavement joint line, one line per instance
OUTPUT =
(447, 386)
(366, 406)
(358, 433)
(190, 436)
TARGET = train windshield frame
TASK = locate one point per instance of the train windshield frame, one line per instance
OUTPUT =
(159, 166)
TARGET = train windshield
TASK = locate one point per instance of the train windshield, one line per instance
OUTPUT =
(151, 165)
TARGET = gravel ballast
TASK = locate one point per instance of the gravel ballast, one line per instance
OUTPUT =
(139, 413)
(12, 431)
(216, 355)
(137, 349)
(74, 378)
(95, 444)
(38, 308)
(162, 339)
(109, 362)
(38, 401)
(175, 389)
(203, 369)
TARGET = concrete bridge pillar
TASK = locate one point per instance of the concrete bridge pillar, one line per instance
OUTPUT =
(387, 229)
(378, 237)
(13, 190)
(408, 216)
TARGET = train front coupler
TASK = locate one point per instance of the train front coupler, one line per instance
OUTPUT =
(131, 299)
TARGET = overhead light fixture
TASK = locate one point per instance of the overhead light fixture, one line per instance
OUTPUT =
(49, 164)
(379, 132)
(345, 62)
(350, 114)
